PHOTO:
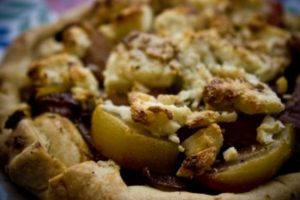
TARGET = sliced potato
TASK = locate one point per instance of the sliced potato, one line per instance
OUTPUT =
(251, 168)
(131, 147)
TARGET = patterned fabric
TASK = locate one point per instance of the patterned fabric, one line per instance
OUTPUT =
(292, 6)
(16, 16)
(60, 6)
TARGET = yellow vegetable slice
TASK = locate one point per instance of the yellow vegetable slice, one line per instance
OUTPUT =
(252, 168)
(129, 146)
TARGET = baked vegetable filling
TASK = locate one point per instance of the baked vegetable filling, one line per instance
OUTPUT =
(189, 95)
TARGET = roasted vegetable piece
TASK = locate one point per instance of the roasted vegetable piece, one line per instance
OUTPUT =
(131, 147)
(201, 150)
(203, 139)
(251, 168)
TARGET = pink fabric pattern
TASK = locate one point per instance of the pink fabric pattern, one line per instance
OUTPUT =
(60, 6)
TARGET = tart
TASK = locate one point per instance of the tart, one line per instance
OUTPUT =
(146, 99)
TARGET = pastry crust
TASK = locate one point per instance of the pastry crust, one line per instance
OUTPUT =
(42, 148)
(106, 183)
(89, 180)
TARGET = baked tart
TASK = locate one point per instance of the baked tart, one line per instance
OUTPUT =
(147, 99)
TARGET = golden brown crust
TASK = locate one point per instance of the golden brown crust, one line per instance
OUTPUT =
(103, 181)
(42, 148)
(106, 183)
(243, 96)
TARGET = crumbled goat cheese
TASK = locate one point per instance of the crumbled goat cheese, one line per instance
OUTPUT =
(268, 129)
(230, 154)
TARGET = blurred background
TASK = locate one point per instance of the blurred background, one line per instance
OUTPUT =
(17, 16)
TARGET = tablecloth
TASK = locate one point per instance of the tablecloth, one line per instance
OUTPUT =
(16, 16)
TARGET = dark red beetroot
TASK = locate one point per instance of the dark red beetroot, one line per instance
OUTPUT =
(14, 119)
(242, 133)
(60, 103)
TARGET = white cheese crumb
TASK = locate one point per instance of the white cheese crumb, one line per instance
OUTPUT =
(267, 130)
(181, 148)
(230, 154)
(160, 118)
(122, 111)
(174, 138)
